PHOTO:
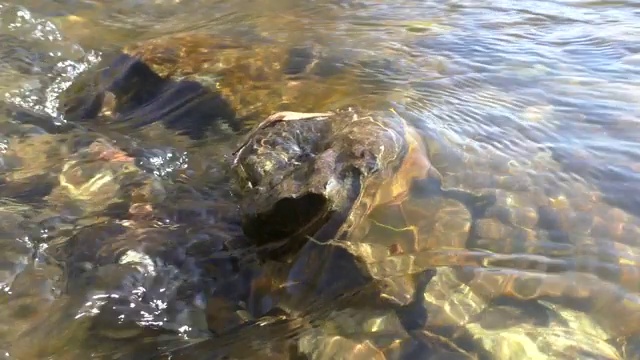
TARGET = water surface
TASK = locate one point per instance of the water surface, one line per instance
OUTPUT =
(529, 110)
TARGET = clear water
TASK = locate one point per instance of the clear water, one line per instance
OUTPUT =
(531, 104)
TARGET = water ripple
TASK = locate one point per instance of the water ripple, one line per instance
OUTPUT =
(530, 113)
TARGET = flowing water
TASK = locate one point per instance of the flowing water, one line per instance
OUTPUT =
(530, 111)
